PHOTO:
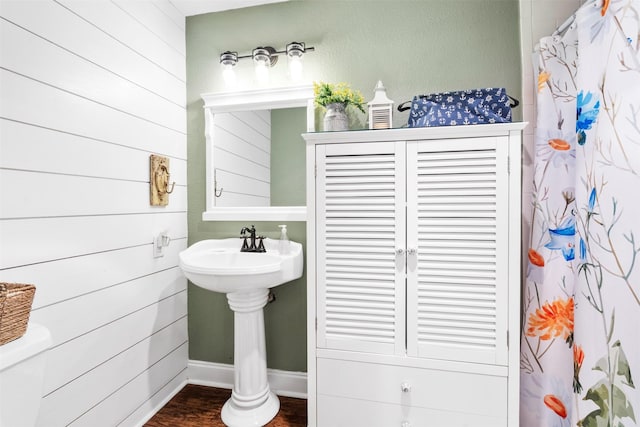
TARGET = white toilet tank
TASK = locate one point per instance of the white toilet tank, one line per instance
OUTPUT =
(22, 365)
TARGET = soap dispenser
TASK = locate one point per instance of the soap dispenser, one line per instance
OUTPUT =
(283, 245)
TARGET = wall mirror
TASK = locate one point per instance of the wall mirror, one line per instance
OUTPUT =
(248, 172)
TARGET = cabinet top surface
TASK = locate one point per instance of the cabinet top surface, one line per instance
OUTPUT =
(402, 134)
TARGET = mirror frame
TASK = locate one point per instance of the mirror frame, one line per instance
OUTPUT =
(259, 99)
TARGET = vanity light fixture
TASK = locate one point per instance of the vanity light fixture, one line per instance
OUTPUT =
(265, 57)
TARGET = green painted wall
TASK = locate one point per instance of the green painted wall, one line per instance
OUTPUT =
(413, 46)
(287, 176)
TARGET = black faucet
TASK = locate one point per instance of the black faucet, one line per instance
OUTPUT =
(251, 246)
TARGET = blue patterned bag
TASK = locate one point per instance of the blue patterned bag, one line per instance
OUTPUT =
(469, 107)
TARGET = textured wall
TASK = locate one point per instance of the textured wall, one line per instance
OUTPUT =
(413, 46)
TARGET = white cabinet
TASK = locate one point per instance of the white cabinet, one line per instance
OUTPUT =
(413, 276)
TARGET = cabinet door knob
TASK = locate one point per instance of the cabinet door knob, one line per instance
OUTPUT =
(399, 251)
(405, 424)
(405, 387)
(412, 251)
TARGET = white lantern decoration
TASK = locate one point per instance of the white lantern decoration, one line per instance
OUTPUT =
(380, 109)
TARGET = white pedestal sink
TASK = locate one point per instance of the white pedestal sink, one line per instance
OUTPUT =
(218, 265)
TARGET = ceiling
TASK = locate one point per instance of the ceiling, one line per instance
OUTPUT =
(198, 7)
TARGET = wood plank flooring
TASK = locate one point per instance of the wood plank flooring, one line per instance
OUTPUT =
(200, 406)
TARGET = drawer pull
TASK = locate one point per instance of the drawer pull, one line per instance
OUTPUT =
(405, 387)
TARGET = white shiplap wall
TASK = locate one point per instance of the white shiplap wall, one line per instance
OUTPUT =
(242, 158)
(89, 89)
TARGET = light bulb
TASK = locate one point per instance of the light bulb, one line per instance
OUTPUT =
(295, 68)
(262, 71)
(262, 59)
(228, 60)
(295, 50)
(229, 76)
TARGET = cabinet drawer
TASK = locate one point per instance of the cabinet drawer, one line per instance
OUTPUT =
(341, 412)
(443, 391)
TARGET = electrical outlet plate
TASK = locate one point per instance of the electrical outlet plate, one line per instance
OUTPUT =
(158, 249)
(159, 243)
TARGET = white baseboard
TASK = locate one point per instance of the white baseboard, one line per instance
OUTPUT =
(283, 383)
(167, 393)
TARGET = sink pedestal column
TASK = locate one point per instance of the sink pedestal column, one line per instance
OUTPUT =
(252, 403)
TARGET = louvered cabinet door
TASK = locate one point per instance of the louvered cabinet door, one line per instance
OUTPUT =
(457, 237)
(360, 191)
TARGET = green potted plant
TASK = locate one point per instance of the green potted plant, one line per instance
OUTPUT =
(335, 98)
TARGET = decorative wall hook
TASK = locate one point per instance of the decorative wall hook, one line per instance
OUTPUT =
(162, 179)
(159, 178)
(216, 192)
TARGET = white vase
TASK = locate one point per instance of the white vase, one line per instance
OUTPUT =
(336, 117)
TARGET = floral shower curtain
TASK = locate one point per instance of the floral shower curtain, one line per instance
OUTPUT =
(580, 348)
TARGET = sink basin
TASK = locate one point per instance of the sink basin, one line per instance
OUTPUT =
(218, 265)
